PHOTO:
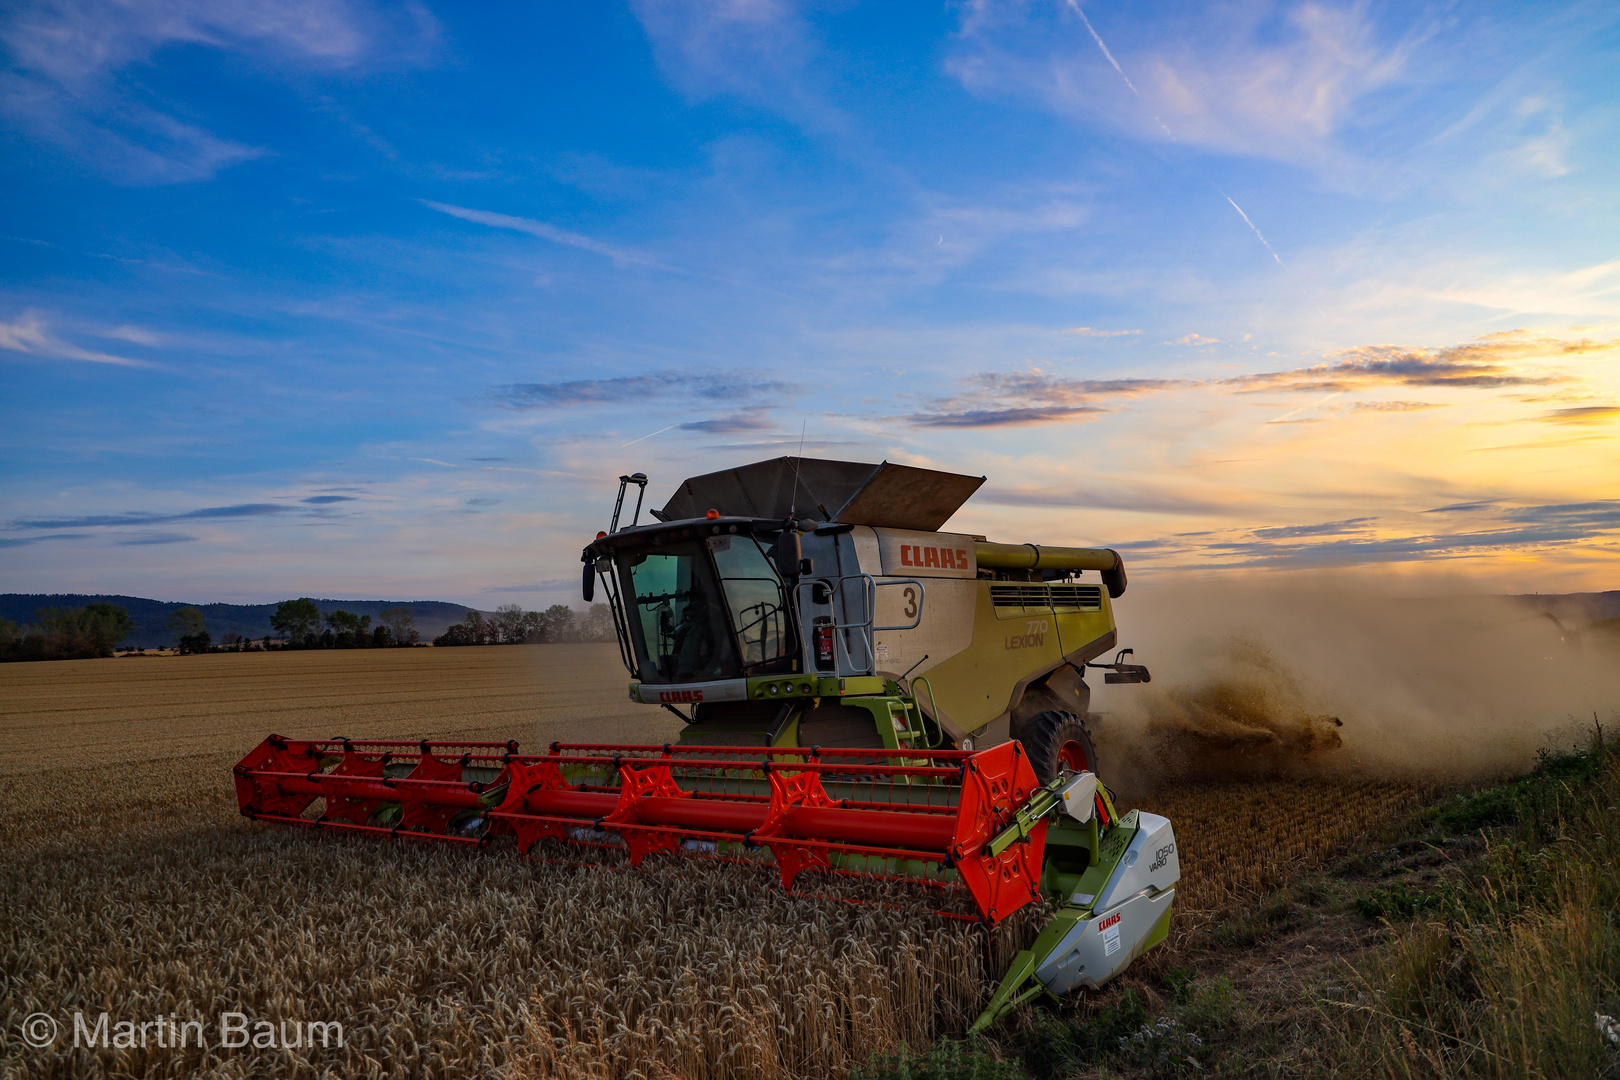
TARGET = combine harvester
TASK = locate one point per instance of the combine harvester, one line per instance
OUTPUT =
(864, 695)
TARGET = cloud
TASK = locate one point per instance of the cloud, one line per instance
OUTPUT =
(753, 49)
(23, 541)
(134, 334)
(1327, 528)
(1394, 406)
(1017, 417)
(1461, 508)
(953, 231)
(739, 424)
(1493, 362)
(1019, 398)
(1583, 414)
(137, 145)
(76, 45)
(70, 82)
(28, 334)
(648, 387)
(1234, 79)
(1144, 497)
(1602, 514)
(541, 229)
(1194, 340)
(1576, 292)
(155, 538)
(322, 500)
(241, 510)
(1086, 331)
(1514, 358)
(1520, 529)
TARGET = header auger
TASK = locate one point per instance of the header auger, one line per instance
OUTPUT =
(864, 695)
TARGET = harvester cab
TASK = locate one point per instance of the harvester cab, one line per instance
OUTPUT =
(861, 693)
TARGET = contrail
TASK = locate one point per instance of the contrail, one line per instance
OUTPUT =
(1098, 39)
(649, 435)
(1302, 408)
(1251, 225)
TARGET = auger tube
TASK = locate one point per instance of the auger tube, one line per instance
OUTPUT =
(1046, 557)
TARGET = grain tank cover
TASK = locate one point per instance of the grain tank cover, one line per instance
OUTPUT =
(850, 492)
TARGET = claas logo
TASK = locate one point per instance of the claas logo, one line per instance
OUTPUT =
(678, 696)
(944, 558)
(1112, 920)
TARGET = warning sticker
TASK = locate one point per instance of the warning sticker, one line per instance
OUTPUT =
(1111, 940)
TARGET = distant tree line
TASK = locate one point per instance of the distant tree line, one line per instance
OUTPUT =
(80, 633)
(96, 629)
(300, 623)
(511, 625)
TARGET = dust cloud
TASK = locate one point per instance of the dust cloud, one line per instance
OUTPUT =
(1346, 676)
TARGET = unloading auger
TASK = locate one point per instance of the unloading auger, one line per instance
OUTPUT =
(801, 649)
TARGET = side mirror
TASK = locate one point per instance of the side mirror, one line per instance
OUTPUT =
(789, 555)
(588, 583)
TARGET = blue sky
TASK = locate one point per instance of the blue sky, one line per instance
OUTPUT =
(361, 300)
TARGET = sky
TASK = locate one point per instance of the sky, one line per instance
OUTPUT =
(377, 300)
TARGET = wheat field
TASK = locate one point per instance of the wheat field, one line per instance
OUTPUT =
(133, 887)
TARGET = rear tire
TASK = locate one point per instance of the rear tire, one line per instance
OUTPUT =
(1059, 740)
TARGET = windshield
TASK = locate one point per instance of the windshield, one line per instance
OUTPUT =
(754, 596)
(675, 608)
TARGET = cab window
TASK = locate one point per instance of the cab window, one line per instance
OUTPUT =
(678, 615)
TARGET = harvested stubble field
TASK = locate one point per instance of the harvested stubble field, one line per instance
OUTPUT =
(133, 887)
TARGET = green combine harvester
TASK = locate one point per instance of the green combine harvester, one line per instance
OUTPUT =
(860, 693)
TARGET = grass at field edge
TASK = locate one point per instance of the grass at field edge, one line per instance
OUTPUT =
(1476, 937)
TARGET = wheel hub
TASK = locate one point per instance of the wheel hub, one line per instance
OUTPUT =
(1072, 756)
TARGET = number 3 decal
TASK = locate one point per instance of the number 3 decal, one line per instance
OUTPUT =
(911, 601)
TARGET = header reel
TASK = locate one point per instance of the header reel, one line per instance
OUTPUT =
(977, 821)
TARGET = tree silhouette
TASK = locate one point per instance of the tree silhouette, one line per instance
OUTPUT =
(187, 624)
(296, 620)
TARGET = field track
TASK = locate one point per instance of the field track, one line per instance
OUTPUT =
(133, 886)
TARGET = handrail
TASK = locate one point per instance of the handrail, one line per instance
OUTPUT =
(869, 606)
(621, 620)
(932, 700)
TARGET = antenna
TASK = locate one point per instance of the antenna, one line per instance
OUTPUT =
(793, 503)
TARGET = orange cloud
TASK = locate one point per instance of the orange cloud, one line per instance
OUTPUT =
(1491, 362)
(1584, 414)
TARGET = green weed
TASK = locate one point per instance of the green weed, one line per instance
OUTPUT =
(945, 1060)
